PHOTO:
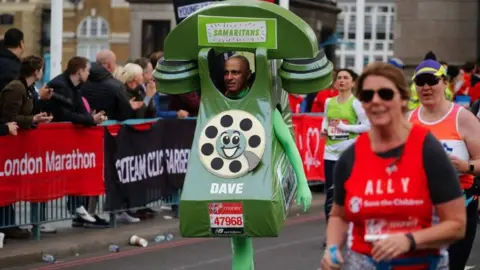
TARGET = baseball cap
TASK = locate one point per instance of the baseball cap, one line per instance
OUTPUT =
(430, 67)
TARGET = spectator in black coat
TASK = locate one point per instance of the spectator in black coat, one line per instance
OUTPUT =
(10, 53)
(105, 93)
(68, 85)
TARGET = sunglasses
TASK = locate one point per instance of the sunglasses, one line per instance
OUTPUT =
(386, 94)
(430, 80)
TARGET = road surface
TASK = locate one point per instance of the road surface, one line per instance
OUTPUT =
(299, 247)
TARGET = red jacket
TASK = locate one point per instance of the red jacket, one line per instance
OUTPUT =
(295, 102)
(318, 105)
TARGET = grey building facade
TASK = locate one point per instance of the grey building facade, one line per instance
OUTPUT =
(450, 28)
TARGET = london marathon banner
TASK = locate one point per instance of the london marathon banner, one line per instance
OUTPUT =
(51, 161)
(142, 166)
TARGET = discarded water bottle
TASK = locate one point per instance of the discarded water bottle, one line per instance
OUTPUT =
(114, 248)
(48, 258)
(159, 238)
(169, 237)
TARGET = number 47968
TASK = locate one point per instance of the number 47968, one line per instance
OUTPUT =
(228, 221)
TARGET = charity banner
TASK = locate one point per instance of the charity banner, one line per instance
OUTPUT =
(145, 165)
(51, 161)
(310, 144)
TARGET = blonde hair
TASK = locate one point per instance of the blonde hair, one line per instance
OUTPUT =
(130, 71)
(117, 73)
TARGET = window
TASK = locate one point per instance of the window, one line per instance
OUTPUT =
(154, 33)
(378, 34)
(93, 35)
(6, 19)
(349, 61)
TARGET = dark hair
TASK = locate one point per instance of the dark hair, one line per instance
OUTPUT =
(469, 67)
(349, 71)
(30, 64)
(143, 62)
(75, 64)
(391, 73)
(154, 57)
(452, 72)
(13, 38)
(430, 56)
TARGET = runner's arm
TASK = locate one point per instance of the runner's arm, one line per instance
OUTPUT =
(364, 125)
(282, 132)
(469, 128)
(446, 195)
(337, 225)
(325, 119)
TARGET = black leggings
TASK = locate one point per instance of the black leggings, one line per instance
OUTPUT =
(329, 166)
(460, 251)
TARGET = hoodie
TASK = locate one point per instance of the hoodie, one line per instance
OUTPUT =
(105, 93)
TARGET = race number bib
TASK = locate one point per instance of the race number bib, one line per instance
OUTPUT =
(336, 134)
(226, 219)
(377, 229)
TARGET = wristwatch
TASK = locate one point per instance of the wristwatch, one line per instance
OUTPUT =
(413, 243)
(471, 168)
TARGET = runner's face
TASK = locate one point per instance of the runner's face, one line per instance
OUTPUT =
(379, 111)
(344, 81)
(430, 89)
(235, 75)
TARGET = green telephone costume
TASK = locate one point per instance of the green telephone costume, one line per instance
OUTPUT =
(244, 168)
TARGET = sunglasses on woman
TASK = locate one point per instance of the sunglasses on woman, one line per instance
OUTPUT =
(386, 94)
(428, 79)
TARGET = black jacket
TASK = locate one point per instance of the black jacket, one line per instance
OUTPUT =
(71, 111)
(9, 67)
(145, 111)
(105, 93)
(4, 129)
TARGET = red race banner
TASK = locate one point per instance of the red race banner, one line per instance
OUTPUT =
(51, 161)
(310, 145)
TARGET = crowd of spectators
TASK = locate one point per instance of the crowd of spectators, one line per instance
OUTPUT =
(86, 93)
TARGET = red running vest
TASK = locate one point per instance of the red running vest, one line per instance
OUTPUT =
(387, 196)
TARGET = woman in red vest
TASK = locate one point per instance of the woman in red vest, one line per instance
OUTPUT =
(397, 194)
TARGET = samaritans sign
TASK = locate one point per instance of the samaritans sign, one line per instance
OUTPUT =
(237, 32)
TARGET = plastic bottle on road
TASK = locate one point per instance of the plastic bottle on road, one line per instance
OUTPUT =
(48, 258)
(159, 238)
(169, 237)
(114, 248)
